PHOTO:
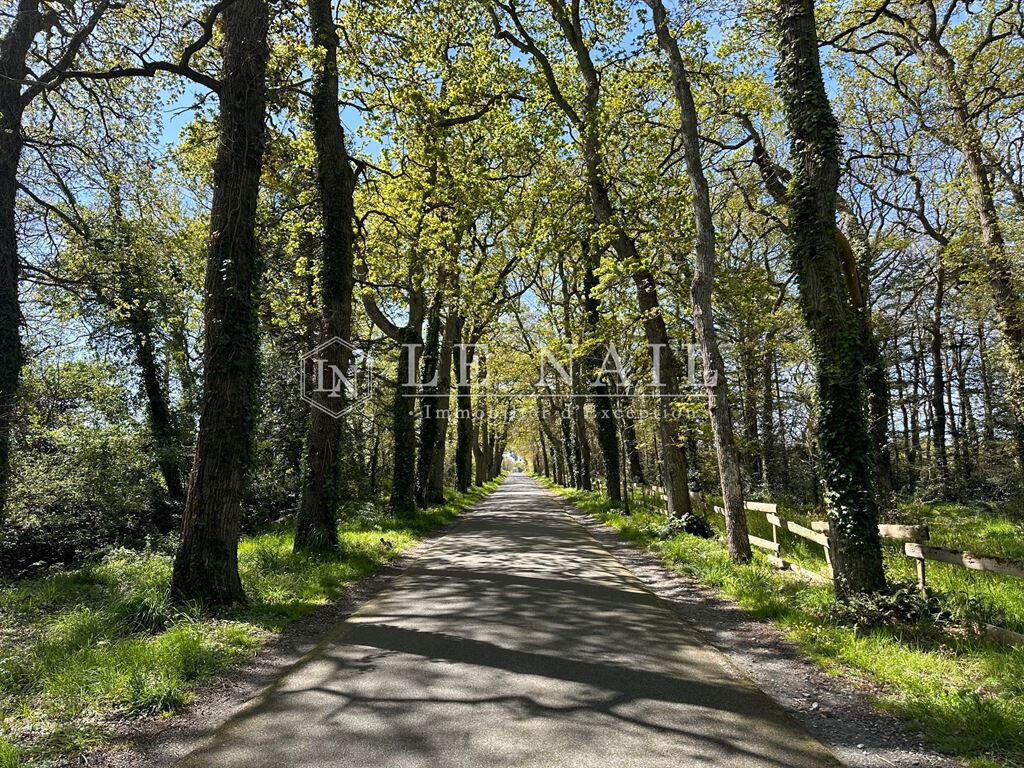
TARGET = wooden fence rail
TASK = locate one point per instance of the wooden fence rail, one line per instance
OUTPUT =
(913, 536)
(1003, 565)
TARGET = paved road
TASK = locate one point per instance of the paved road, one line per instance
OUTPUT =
(516, 641)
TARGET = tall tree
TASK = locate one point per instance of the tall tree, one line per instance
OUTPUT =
(970, 59)
(843, 438)
(30, 19)
(206, 563)
(316, 528)
(715, 379)
(600, 392)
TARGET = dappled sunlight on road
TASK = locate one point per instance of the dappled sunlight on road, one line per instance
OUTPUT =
(517, 641)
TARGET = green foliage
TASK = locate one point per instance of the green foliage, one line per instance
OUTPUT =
(9, 755)
(691, 524)
(84, 477)
(900, 604)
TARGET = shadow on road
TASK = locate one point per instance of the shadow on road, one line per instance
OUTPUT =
(518, 641)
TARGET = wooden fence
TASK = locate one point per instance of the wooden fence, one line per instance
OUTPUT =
(913, 536)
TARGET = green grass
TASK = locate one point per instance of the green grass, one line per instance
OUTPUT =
(964, 693)
(80, 646)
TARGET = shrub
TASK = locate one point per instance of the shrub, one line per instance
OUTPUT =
(671, 527)
(901, 604)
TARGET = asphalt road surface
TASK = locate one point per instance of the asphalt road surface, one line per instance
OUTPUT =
(517, 641)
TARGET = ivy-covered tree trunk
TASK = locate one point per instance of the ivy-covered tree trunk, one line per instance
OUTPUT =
(206, 564)
(166, 443)
(876, 377)
(836, 340)
(715, 380)
(429, 402)
(442, 413)
(600, 393)
(462, 358)
(323, 483)
(14, 47)
(402, 502)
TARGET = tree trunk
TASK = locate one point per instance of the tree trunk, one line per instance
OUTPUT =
(636, 467)
(565, 420)
(556, 462)
(675, 474)
(600, 395)
(584, 480)
(322, 482)
(715, 380)
(464, 412)
(14, 48)
(939, 387)
(402, 502)
(836, 338)
(879, 405)
(206, 564)
(435, 480)
(167, 446)
(481, 432)
(876, 379)
(429, 402)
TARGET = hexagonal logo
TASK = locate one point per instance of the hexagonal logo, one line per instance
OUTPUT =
(337, 377)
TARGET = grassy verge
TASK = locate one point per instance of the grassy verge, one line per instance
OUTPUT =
(965, 694)
(80, 647)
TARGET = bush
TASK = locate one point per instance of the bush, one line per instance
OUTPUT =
(83, 477)
(671, 527)
(901, 604)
